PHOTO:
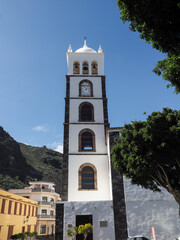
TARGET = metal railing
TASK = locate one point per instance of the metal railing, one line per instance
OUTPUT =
(46, 203)
(46, 216)
(42, 190)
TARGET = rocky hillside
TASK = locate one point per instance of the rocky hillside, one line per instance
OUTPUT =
(20, 163)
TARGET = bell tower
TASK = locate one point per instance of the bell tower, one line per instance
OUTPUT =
(86, 120)
(87, 182)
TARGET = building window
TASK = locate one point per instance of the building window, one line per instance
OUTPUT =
(29, 212)
(87, 177)
(76, 67)
(15, 208)
(3, 205)
(43, 229)
(44, 199)
(44, 212)
(51, 212)
(32, 211)
(10, 206)
(86, 140)
(36, 212)
(24, 209)
(10, 231)
(94, 67)
(86, 112)
(28, 228)
(85, 88)
(20, 209)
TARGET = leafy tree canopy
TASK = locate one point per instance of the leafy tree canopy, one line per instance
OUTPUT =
(81, 229)
(148, 152)
(158, 23)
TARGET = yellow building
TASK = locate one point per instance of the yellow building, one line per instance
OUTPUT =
(17, 215)
(44, 193)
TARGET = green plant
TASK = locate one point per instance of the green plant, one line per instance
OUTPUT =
(85, 230)
(28, 234)
(34, 233)
(81, 229)
(157, 22)
(22, 236)
(15, 236)
(147, 152)
(70, 233)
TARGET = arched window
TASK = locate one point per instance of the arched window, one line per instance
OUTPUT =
(87, 177)
(76, 67)
(86, 112)
(85, 67)
(85, 88)
(86, 140)
(94, 67)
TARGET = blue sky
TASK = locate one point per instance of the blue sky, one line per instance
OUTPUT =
(34, 38)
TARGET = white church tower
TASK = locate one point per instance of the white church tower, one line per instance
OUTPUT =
(87, 190)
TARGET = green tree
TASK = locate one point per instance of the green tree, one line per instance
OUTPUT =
(148, 152)
(81, 229)
(158, 23)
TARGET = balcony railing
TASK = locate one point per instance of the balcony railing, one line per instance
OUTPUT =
(46, 216)
(46, 203)
(42, 190)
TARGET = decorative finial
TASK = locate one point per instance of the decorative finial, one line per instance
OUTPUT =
(100, 49)
(85, 41)
(70, 48)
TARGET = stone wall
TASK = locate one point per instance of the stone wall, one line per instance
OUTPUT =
(59, 221)
(118, 196)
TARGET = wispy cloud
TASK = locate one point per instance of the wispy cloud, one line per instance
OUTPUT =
(40, 128)
(57, 146)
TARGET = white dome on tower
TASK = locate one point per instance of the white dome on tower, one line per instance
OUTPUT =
(85, 49)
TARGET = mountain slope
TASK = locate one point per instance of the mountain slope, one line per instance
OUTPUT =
(20, 163)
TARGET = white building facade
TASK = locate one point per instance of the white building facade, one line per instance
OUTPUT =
(44, 193)
(87, 183)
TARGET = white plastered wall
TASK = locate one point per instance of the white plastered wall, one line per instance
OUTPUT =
(81, 57)
(103, 189)
(74, 86)
(74, 130)
(74, 110)
(100, 211)
(48, 208)
(146, 209)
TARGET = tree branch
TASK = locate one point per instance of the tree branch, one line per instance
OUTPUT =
(166, 179)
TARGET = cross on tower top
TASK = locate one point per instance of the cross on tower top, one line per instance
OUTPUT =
(85, 41)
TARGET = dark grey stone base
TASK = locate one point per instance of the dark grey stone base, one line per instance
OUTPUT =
(119, 204)
(59, 221)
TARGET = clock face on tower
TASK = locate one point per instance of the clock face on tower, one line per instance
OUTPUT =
(85, 89)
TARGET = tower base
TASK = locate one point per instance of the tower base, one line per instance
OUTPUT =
(99, 213)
